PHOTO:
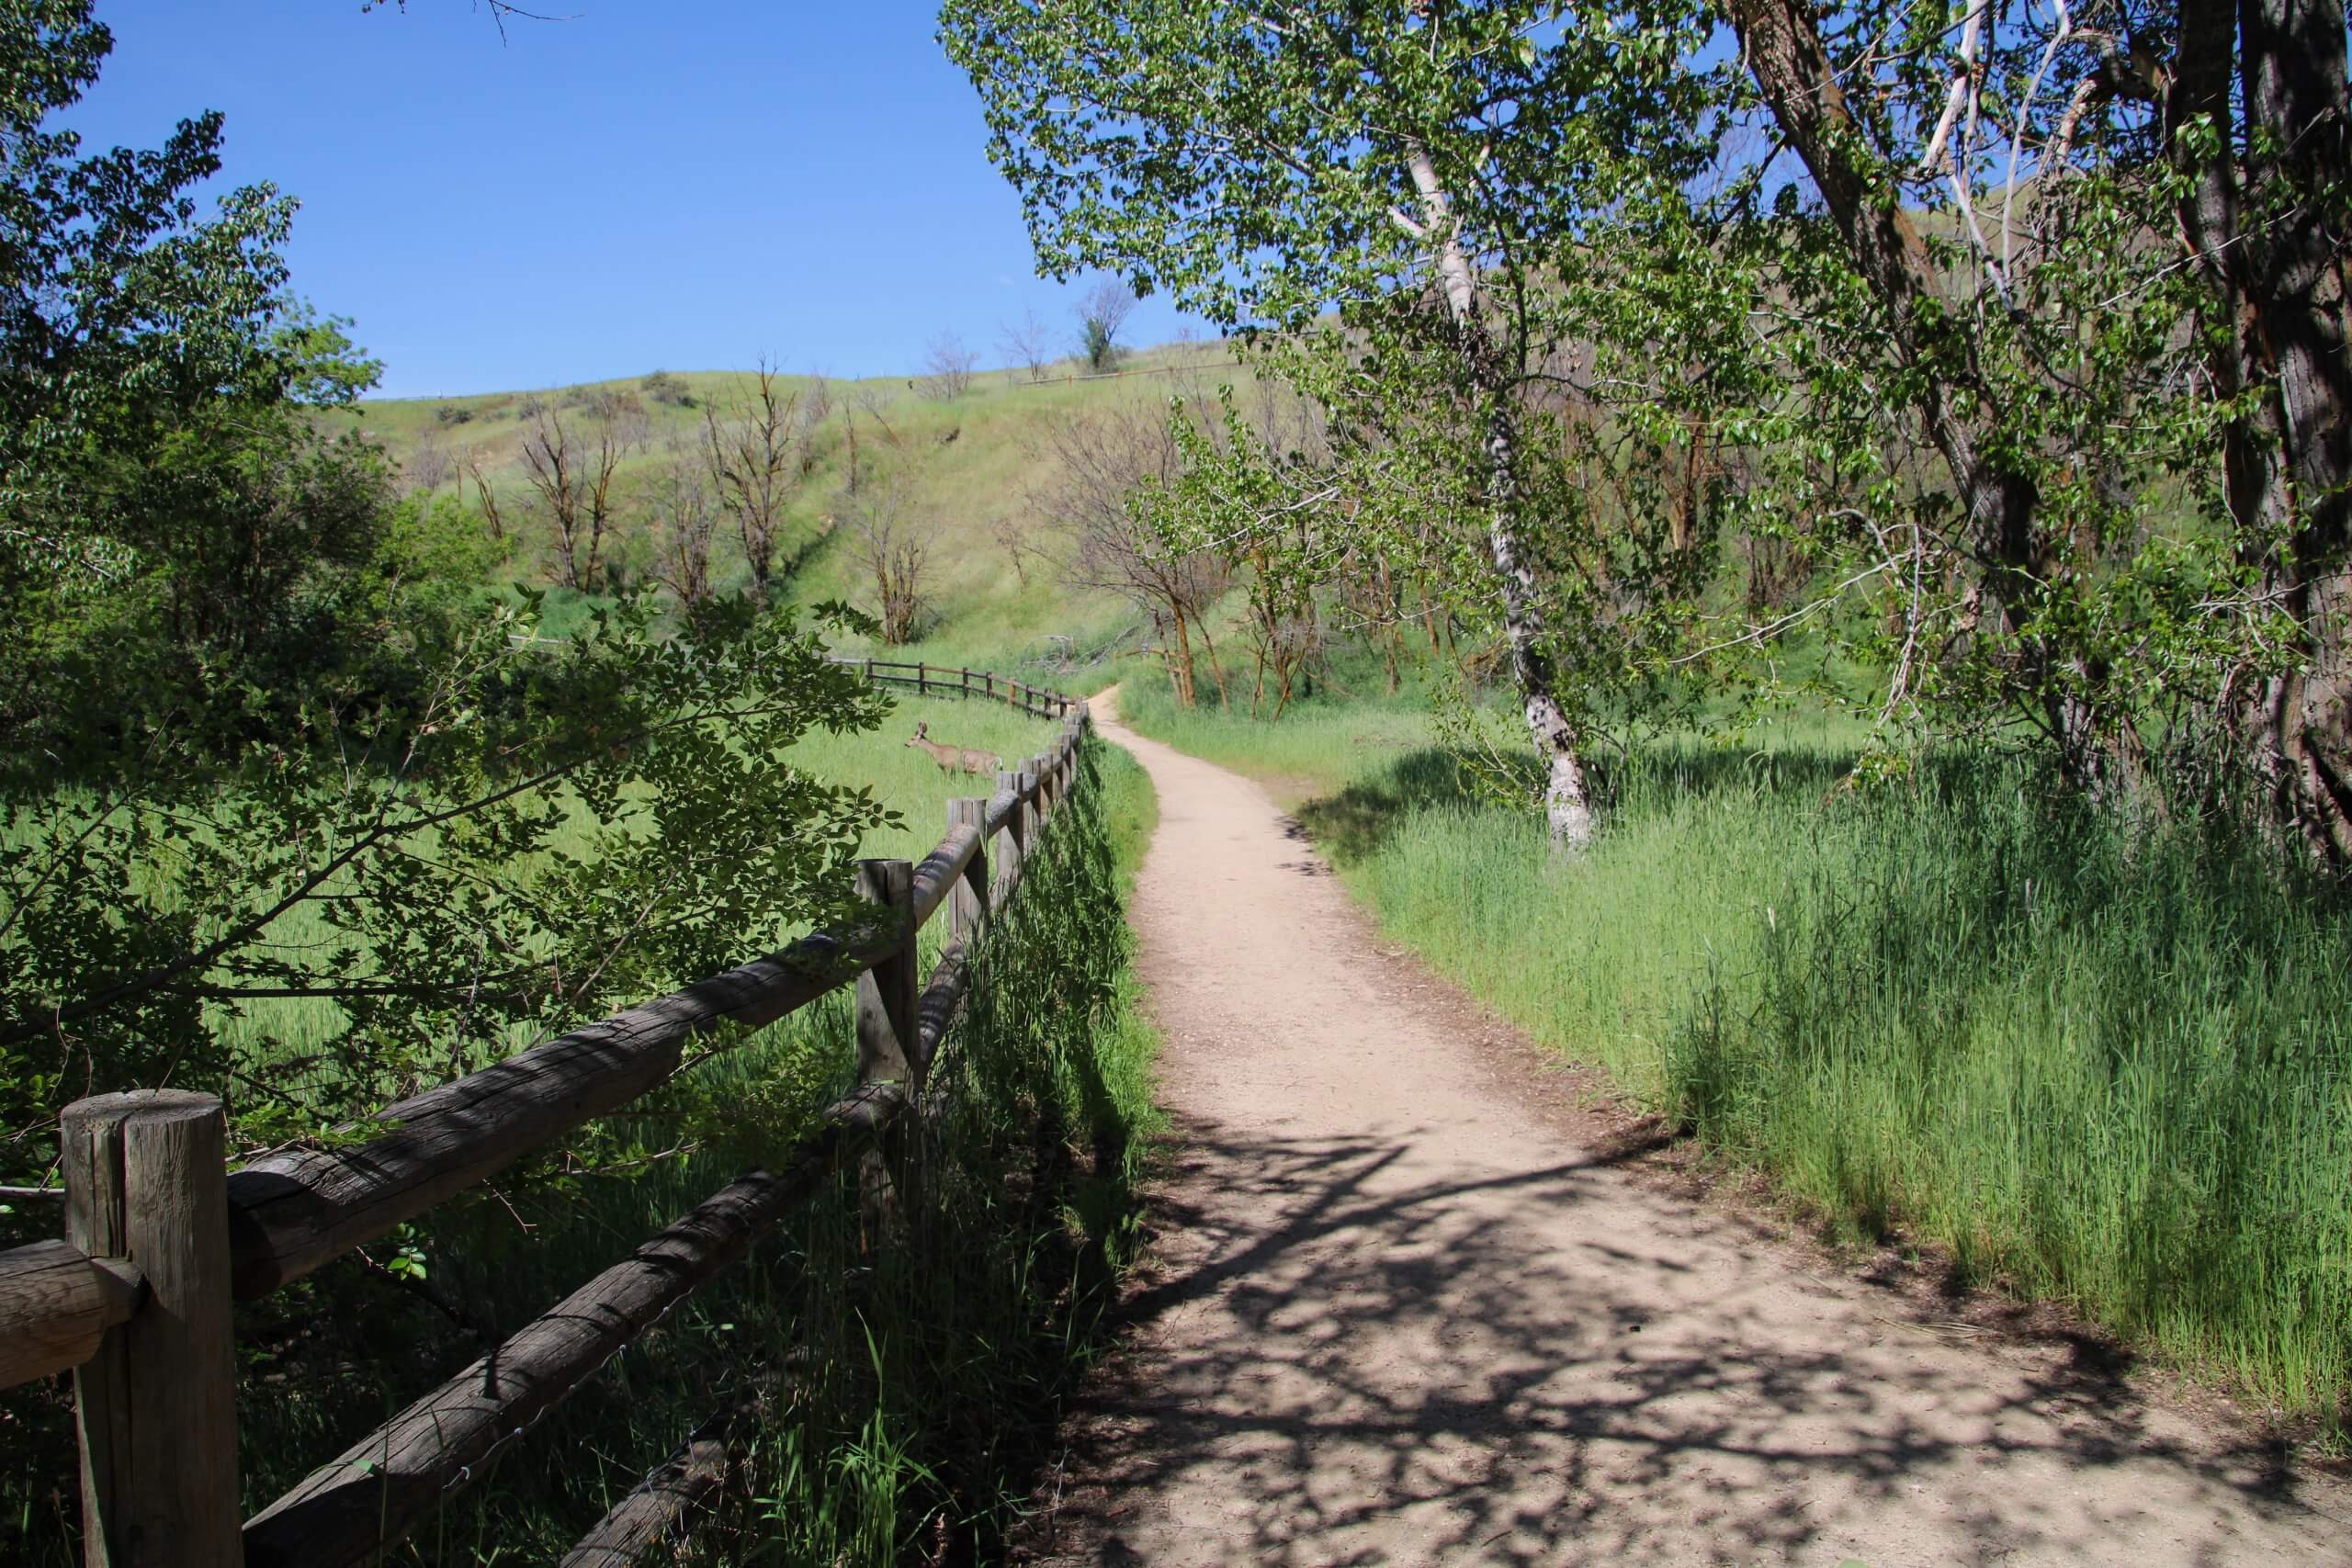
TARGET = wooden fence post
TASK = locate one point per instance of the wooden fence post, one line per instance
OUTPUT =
(1016, 833)
(923, 679)
(968, 901)
(1029, 814)
(146, 1180)
(887, 992)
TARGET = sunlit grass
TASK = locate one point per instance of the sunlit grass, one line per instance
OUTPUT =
(893, 1388)
(2104, 1065)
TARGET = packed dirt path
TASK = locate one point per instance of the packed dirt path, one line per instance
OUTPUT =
(1394, 1317)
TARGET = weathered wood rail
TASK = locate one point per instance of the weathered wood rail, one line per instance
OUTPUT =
(161, 1238)
(941, 681)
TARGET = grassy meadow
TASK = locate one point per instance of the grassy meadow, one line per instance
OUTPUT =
(886, 1387)
(2082, 1062)
(902, 778)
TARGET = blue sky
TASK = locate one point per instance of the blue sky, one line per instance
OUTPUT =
(677, 184)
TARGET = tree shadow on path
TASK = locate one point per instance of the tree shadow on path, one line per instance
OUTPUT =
(1352, 1354)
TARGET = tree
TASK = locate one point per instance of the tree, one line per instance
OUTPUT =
(119, 310)
(487, 499)
(892, 545)
(947, 368)
(1105, 543)
(1102, 312)
(429, 467)
(575, 490)
(263, 736)
(1027, 344)
(870, 403)
(2062, 364)
(414, 838)
(625, 415)
(752, 456)
(664, 388)
(1430, 172)
(684, 524)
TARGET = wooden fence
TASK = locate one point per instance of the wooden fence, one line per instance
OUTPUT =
(939, 681)
(161, 1239)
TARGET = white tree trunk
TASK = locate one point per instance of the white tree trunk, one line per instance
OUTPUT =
(1567, 808)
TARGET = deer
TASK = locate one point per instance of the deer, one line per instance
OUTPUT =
(954, 758)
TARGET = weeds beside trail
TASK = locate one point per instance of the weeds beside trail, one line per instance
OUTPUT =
(2104, 1065)
(886, 1385)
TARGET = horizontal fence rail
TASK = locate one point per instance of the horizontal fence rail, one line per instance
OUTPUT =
(161, 1238)
(941, 681)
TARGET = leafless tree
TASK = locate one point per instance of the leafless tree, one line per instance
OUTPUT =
(816, 407)
(751, 454)
(575, 493)
(488, 497)
(1102, 312)
(429, 467)
(892, 544)
(1027, 345)
(626, 413)
(684, 524)
(871, 403)
(947, 368)
(1095, 460)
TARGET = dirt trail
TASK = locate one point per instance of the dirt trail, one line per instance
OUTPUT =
(1396, 1320)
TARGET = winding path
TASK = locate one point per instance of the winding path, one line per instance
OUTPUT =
(1395, 1317)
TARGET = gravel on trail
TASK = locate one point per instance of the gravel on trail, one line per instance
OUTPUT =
(1394, 1316)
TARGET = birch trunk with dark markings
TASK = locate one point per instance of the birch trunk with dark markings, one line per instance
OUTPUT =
(1567, 806)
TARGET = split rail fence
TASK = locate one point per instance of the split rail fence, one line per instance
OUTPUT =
(939, 681)
(161, 1239)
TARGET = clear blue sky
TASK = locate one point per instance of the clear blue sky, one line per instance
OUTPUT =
(677, 184)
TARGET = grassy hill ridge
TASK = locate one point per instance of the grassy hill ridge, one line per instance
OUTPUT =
(966, 470)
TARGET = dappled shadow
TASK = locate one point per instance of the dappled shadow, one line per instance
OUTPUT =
(1372, 1357)
(1351, 825)
(1354, 823)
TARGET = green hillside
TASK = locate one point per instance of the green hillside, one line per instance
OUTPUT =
(969, 471)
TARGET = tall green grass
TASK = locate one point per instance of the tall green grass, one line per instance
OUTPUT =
(894, 1375)
(2089, 1061)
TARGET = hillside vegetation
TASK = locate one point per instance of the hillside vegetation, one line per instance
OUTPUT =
(965, 475)
(1963, 1016)
(332, 772)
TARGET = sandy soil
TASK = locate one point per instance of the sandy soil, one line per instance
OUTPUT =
(1395, 1317)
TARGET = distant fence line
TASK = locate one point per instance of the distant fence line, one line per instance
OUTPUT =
(161, 1239)
(940, 680)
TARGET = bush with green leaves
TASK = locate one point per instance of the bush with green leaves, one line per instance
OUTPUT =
(536, 833)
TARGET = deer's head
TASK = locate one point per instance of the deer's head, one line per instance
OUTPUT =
(922, 731)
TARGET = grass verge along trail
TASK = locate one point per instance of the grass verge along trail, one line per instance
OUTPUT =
(2085, 1062)
(1397, 1317)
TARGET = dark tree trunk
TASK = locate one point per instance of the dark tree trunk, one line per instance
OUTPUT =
(2291, 74)
(1783, 47)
